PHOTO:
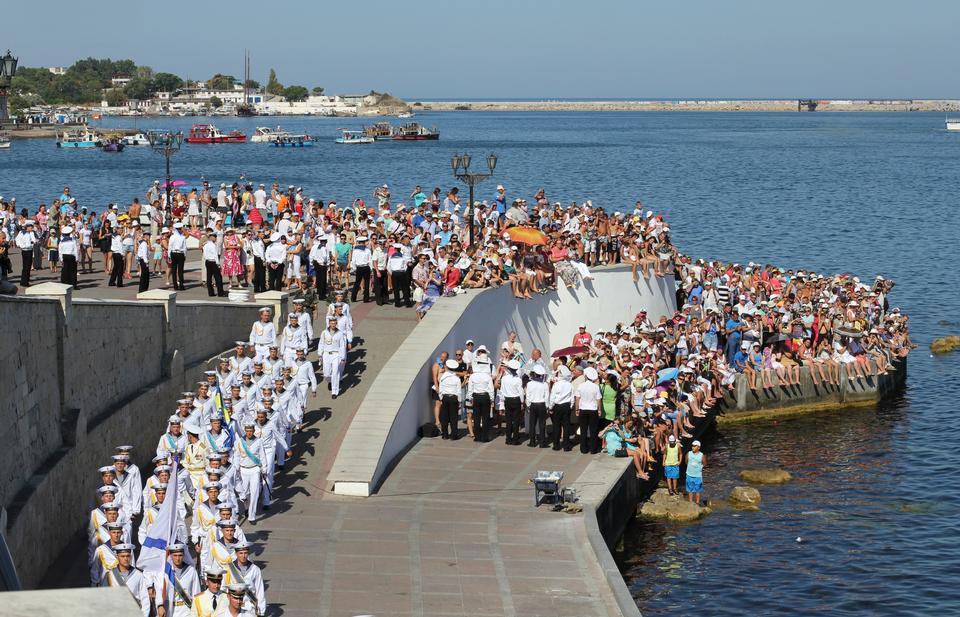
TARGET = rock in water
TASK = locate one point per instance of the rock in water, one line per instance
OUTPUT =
(745, 498)
(945, 344)
(766, 476)
(672, 507)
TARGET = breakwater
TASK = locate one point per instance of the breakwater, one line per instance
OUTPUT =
(781, 105)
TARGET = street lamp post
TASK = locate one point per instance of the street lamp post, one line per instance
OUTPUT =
(167, 144)
(8, 68)
(461, 171)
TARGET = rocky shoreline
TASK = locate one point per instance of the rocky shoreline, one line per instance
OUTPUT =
(943, 106)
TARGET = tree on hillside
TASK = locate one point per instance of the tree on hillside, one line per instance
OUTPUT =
(216, 102)
(116, 98)
(317, 91)
(274, 86)
(144, 72)
(295, 93)
(138, 88)
(221, 82)
(253, 84)
(166, 82)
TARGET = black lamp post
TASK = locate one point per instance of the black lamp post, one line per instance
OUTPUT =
(461, 171)
(167, 144)
(8, 68)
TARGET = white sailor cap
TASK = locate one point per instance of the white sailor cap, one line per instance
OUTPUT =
(176, 547)
(123, 448)
(114, 525)
(174, 420)
(242, 545)
(211, 485)
(217, 415)
(210, 373)
(222, 451)
(237, 590)
(225, 505)
(108, 469)
(513, 364)
(249, 424)
(215, 570)
(161, 468)
(213, 471)
(66, 229)
(293, 316)
(192, 428)
(264, 309)
(159, 458)
(539, 370)
(275, 236)
(107, 489)
(121, 457)
(178, 225)
(227, 523)
(213, 456)
(299, 301)
(160, 486)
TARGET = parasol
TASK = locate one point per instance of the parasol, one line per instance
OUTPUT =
(576, 350)
(667, 374)
(174, 183)
(526, 235)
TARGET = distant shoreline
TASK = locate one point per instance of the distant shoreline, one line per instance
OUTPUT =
(943, 106)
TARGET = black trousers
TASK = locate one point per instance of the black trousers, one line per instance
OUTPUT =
(514, 411)
(538, 423)
(400, 284)
(362, 273)
(589, 420)
(561, 424)
(27, 257)
(481, 416)
(116, 272)
(321, 273)
(177, 260)
(68, 273)
(276, 277)
(214, 274)
(144, 276)
(380, 287)
(259, 276)
(449, 416)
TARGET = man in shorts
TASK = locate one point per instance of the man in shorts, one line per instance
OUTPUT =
(671, 464)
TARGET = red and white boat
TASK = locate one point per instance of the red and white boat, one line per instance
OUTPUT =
(209, 134)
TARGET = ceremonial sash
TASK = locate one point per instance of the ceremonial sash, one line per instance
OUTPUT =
(108, 559)
(243, 444)
(172, 447)
(213, 443)
(236, 574)
(180, 591)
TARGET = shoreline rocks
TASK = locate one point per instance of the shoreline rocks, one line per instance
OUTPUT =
(765, 476)
(745, 498)
(945, 344)
(672, 507)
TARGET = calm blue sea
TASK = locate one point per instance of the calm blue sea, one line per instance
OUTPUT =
(875, 500)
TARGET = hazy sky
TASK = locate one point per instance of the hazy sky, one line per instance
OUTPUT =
(521, 48)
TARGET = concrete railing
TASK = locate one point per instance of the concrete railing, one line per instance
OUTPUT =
(398, 402)
(81, 377)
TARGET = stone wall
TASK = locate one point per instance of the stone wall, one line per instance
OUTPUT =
(86, 376)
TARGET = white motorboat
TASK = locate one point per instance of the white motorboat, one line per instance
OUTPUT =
(349, 136)
(405, 114)
(953, 124)
(138, 139)
(4, 143)
(267, 135)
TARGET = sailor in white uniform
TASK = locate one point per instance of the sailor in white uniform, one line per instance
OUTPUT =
(332, 349)
(263, 334)
(187, 584)
(305, 318)
(304, 378)
(255, 601)
(249, 454)
(294, 338)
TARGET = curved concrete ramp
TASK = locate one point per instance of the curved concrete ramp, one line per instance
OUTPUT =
(398, 402)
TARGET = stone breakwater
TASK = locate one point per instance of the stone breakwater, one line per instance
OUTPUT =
(943, 106)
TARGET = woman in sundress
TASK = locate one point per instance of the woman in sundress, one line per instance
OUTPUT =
(232, 269)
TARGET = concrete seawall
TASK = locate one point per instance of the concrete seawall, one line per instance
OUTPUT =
(399, 402)
(81, 377)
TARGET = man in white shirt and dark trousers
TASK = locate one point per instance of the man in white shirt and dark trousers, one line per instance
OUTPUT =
(480, 389)
(211, 260)
(320, 258)
(536, 394)
(449, 393)
(258, 248)
(68, 256)
(511, 389)
(587, 398)
(561, 396)
(143, 260)
(275, 255)
(25, 241)
(177, 248)
(360, 261)
(397, 264)
(116, 255)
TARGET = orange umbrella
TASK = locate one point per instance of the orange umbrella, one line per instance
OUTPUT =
(527, 235)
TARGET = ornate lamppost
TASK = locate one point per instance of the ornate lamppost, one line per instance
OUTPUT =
(167, 144)
(8, 68)
(461, 171)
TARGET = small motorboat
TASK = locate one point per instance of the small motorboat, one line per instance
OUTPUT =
(4, 143)
(292, 141)
(405, 114)
(209, 134)
(77, 138)
(138, 139)
(953, 124)
(112, 145)
(265, 134)
(350, 136)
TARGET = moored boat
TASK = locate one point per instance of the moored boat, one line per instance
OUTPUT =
(350, 136)
(210, 134)
(112, 145)
(379, 131)
(265, 134)
(4, 143)
(138, 139)
(292, 141)
(953, 124)
(405, 114)
(77, 138)
(412, 131)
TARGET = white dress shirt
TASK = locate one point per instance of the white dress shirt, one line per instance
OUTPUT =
(449, 384)
(589, 395)
(177, 243)
(511, 386)
(210, 252)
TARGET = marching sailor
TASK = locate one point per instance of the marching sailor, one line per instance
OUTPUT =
(186, 584)
(248, 451)
(206, 604)
(263, 334)
(332, 350)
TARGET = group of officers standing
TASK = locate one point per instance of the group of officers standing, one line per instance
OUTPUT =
(225, 441)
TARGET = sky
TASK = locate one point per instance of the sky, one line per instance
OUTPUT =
(425, 49)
